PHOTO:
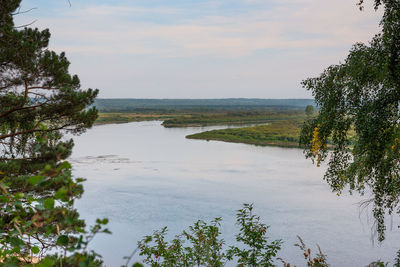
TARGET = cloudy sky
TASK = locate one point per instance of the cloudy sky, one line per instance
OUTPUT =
(201, 48)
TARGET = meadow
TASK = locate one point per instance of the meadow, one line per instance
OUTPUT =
(284, 133)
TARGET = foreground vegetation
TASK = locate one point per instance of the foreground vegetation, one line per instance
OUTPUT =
(279, 133)
(202, 245)
(362, 93)
(40, 101)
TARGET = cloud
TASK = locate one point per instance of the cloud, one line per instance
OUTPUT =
(294, 24)
(109, 10)
(206, 48)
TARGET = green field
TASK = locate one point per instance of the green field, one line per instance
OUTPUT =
(233, 118)
(278, 133)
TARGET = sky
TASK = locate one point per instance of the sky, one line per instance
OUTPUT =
(201, 48)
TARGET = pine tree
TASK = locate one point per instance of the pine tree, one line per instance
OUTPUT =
(40, 101)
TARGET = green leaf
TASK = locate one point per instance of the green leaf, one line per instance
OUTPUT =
(49, 203)
(46, 262)
(19, 195)
(65, 165)
(61, 193)
(84, 263)
(16, 242)
(80, 180)
(47, 167)
(35, 250)
(35, 179)
(62, 240)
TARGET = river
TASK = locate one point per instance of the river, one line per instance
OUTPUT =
(143, 176)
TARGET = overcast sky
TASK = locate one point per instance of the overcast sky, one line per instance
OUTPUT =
(201, 48)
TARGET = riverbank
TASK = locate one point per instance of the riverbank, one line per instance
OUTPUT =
(201, 118)
(117, 118)
(278, 128)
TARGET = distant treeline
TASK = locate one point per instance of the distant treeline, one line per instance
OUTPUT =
(172, 105)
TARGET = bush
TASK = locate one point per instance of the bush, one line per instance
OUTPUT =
(205, 247)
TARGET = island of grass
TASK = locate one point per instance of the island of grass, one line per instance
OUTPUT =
(283, 133)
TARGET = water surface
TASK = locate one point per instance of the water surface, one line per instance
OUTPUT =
(143, 176)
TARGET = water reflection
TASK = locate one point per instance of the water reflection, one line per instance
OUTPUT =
(144, 176)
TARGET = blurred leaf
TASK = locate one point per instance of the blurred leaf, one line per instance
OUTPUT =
(49, 203)
(35, 179)
(35, 250)
(62, 240)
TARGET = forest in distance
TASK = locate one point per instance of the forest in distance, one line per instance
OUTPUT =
(171, 105)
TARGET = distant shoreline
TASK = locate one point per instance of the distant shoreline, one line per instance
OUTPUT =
(272, 128)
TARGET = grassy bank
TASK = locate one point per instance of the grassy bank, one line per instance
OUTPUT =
(279, 133)
(112, 118)
(232, 118)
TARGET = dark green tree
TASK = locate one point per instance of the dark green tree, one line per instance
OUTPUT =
(362, 95)
(37, 94)
(39, 102)
(309, 110)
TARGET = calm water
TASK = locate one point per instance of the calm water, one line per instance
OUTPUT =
(144, 176)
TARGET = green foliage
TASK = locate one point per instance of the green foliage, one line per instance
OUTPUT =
(38, 217)
(39, 102)
(320, 259)
(397, 260)
(363, 94)
(309, 110)
(257, 251)
(206, 248)
(37, 95)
